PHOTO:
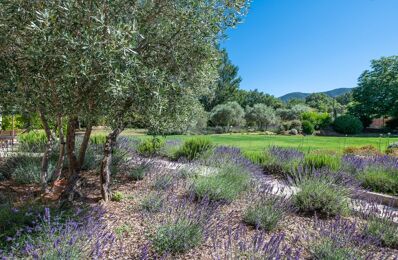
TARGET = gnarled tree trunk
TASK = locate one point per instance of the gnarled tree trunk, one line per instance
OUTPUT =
(47, 152)
(84, 145)
(105, 172)
(61, 157)
(73, 176)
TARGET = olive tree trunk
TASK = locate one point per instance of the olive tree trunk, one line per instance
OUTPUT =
(105, 172)
(61, 157)
(84, 145)
(73, 177)
(47, 152)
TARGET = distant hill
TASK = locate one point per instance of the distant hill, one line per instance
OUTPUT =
(300, 95)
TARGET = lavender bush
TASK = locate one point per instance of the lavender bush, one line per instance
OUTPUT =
(377, 173)
(382, 226)
(194, 148)
(226, 184)
(319, 194)
(152, 203)
(83, 235)
(170, 149)
(223, 155)
(339, 239)
(267, 212)
(185, 226)
(278, 161)
(258, 246)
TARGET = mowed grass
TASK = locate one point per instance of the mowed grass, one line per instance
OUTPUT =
(257, 142)
(253, 143)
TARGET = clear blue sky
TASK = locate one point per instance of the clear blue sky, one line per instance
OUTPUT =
(311, 45)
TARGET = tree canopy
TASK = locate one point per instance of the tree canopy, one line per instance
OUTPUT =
(377, 91)
(115, 59)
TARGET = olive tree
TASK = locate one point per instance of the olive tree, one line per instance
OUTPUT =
(227, 115)
(81, 60)
(261, 115)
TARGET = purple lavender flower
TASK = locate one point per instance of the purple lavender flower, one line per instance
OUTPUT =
(283, 154)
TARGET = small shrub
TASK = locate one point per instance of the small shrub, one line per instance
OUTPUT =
(193, 148)
(122, 229)
(13, 219)
(98, 139)
(152, 203)
(24, 169)
(328, 249)
(308, 127)
(150, 146)
(92, 158)
(265, 214)
(186, 173)
(379, 180)
(322, 160)
(163, 182)
(348, 124)
(260, 158)
(296, 124)
(393, 146)
(392, 152)
(293, 131)
(225, 185)
(33, 141)
(319, 195)
(177, 237)
(363, 150)
(58, 236)
(258, 245)
(383, 230)
(139, 172)
(170, 149)
(318, 120)
(117, 196)
(118, 157)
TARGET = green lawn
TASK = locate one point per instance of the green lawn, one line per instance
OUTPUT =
(255, 142)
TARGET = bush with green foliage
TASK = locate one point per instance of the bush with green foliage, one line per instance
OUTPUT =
(98, 139)
(163, 182)
(328, 249)
(308, 127)
(320, 195)
(138, 173)
(383, 229)
(118, 158)
(8, 124)
(278, 161)
(152, 203)
(318, 120)
(117, 196)
(150, 146)
(93, 157)
(348, 124)
(194, 148)
(33, 141)
(322, 160)
(227, 115)
(378, 179)
(13, 219)
(224, 185)
(177, 237)
(25, 169)
(266, 214)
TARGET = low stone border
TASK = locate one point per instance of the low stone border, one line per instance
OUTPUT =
(383, 199)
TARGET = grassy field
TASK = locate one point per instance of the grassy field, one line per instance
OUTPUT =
(257, 142)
